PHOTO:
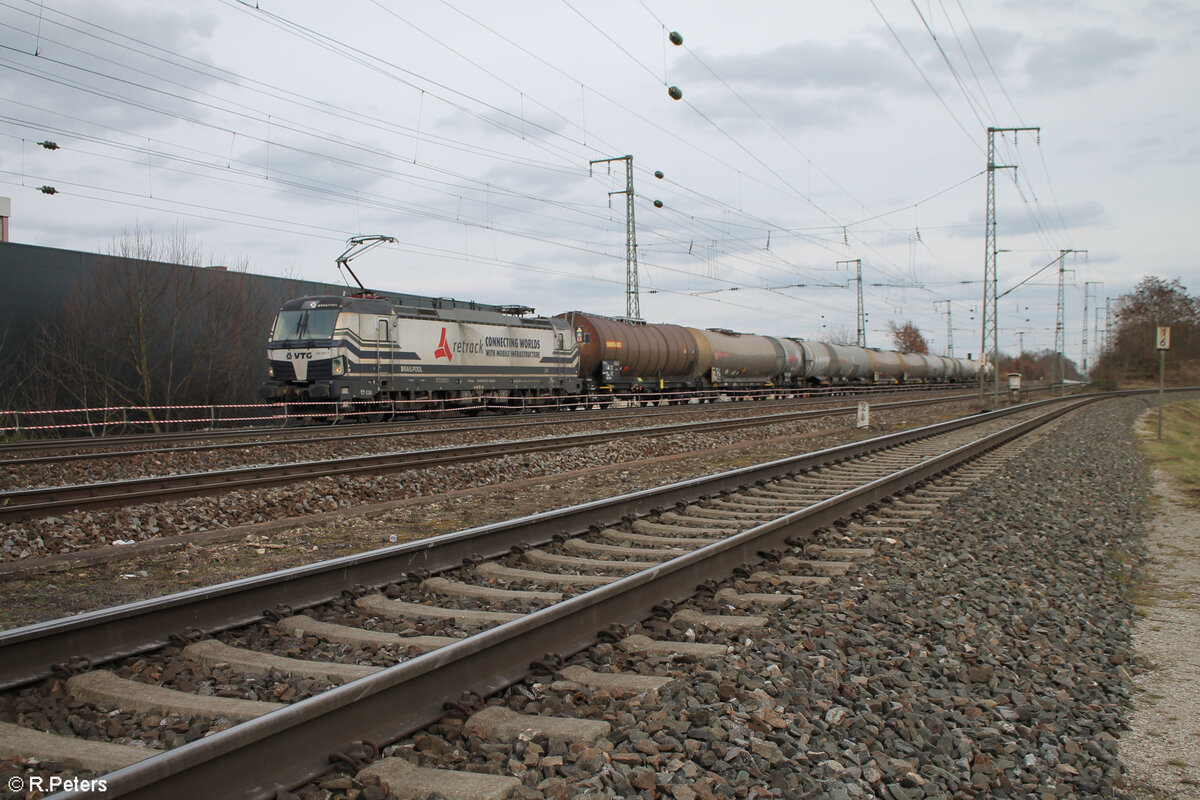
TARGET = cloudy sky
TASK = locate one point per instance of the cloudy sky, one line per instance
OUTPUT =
(809, 135)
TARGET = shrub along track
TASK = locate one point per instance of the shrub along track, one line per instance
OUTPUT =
(286, 746)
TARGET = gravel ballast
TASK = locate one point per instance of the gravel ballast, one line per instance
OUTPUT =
(984, 653)
(85, 529)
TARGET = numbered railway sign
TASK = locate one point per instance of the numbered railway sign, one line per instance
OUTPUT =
(1164, 338)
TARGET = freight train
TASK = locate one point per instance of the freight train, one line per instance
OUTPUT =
(373, 355)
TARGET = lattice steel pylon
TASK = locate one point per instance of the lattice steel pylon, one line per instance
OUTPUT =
(1060, 324)
(989, 344)
(1084, 348)
(633, 307)
(861, 316)
(1108, 323)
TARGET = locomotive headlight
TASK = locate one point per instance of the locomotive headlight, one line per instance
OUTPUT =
(339, 365)
(270, 371)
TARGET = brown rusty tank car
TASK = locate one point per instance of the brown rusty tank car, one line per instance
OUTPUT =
(616, 351)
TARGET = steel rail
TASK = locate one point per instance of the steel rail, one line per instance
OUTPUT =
(399, 426)
(279, 437)
(31, 652)
(384, 431)
(20, 504)
(287, 747)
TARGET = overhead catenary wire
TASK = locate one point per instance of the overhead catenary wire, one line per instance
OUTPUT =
(744, 256)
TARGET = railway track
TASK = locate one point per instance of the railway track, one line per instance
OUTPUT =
(12, 454)
(560, 581)
(20, 504)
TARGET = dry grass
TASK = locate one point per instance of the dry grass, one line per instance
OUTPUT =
(1178, 452)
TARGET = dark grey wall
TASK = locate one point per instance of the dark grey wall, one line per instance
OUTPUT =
(35, 282)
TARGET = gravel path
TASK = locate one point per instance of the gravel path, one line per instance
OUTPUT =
(1162, 750)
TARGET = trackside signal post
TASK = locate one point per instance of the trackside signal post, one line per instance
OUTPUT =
(1162, 342)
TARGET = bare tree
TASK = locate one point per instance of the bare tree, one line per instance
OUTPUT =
(907, 338)
(1131, 353)
(146, 327)
(1038, 366)
(841, 335)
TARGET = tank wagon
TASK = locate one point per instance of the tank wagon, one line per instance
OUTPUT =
(362, 349)
(738, 359)
(621, 356)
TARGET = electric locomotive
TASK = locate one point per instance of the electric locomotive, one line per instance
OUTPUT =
(367, 353)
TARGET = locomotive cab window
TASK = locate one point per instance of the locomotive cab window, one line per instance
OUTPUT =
(306, 324)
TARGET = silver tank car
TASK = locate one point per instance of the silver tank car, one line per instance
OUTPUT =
(941, 368)
(725, 358)
(887, 365)
(853, 362)
(818, 360)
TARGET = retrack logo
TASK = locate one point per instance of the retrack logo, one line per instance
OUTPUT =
(443, 348)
